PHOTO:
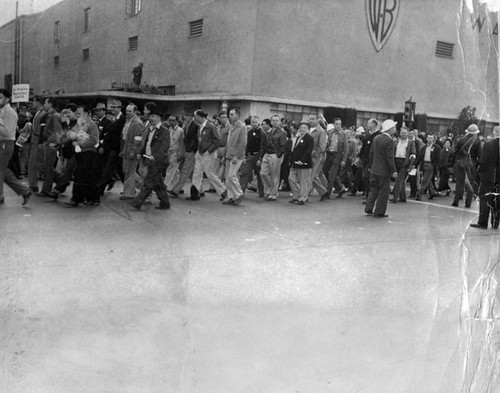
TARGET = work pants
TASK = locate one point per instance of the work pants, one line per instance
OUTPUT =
(185, 172)
(270, 173)
(129, 166)
(400, 186)
(317, 179)
(428, 169)
(248, 169)
(380, 187)
(49, 159)
(204, 163)
(233, 187)
(300, 183)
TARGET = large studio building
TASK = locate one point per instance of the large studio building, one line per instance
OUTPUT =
(290, 57)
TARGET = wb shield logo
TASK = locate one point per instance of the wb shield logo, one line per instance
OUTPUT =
(381, 15)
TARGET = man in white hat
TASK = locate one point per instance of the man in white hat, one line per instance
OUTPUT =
(382, 167)
(467, 152)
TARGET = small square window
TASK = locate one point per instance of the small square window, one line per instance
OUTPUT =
(133, 43)
(56, 61)
(86, 54)
(196, 28)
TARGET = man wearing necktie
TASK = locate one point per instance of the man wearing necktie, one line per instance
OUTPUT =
(301, 170)
(154, 154)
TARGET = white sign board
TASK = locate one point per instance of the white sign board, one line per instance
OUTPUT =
(21, 93)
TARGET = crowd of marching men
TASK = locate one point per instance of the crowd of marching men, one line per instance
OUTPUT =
(93, 148)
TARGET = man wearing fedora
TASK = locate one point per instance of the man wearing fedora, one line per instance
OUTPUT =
(382, 167)
(466, 153)
(112, 145)
(154, 155)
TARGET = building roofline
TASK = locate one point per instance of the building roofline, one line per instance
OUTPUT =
(21, 17)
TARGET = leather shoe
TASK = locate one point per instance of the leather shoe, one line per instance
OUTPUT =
(26, 197)
(478, 226)
(223, 195)
(238, 200)
(293, 201)
(341, 192)
(134, 205)
(431, 197)
(193, 198)
(163, 206)
(380, 215)
(393, 200)
(54, 195)
(230, 201)
(300, 203)
(455, 204)
(211, 191)
(172, 193)
(467, 206)
(369, 212)
(417, 198)
(71, 204)
(42, 194)
(324, 196)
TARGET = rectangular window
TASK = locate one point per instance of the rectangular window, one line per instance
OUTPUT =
(444, 49)
(167, 90)
(86, 20)
(86, 54)
(56, 61)
(295, 113)
(196, 28)
(133, 7)
(133, 43)
(56, 31)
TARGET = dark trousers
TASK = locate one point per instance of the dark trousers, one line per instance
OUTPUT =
(49, 159)
(85, 177)
(112, 165)
(365, 175)
(400, 186)
(444, 174)
(487, 185)
(413, 180)
(6, 175)
(358, 184)
(345, 174)
(14, 162)
(153, 182)
(67, 174)
(331, 169)
(465, 180)
(380, 187)
(427, 183)
(248, 170)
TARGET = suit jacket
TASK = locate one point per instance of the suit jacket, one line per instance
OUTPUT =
(303, 152)
(236, 141)
(381, 160)
(462, 148)
(435, 155)
(113, 138)
(133, 142)
(342, 143)
(38, 127)
(159, 147)
(191, 137)
(364, 152)
(319, 136)
(411, 153)
(208, 139)
(489, 163)
(53, 128)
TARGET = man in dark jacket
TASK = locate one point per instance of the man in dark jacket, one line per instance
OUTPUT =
(489, 173)
(372, 131)
(301, 168)
(112, 144)
(429, 157)
(382, 167)
(154, 153)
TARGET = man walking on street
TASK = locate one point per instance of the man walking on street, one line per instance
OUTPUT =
(36, 147)
(382, 167)
(429, 157)
(251, 166)
(8, 124)
(235, 153)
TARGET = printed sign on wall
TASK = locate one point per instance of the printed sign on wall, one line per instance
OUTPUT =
(381, 16)
(21, 93)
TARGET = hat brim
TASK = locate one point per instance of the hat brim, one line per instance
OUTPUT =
(472, 132)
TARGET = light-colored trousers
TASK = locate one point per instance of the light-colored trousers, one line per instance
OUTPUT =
(318, 178)
(270, 173)
(172, 177)
(129, 166)
(185, 172)
(205, 163)
(234, 190)
(300, 182)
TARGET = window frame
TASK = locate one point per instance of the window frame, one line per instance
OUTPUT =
(194, 26)
(86, 19)
(57, 25)
(86, 51)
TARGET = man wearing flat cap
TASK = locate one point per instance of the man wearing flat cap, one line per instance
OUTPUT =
(382, 167)
(466, 153)
(154, 155)
(112, 145)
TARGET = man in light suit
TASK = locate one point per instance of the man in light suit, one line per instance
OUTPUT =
(382, 167)
(318, 179)
(208, 142)
(404, 156)
(235, 153)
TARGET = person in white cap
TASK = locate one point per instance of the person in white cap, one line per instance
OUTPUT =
(382, 167)
(467, 152)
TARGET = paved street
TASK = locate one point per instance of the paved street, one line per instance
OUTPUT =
(261, 297)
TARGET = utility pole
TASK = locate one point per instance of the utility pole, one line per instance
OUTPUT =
(17, 44)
